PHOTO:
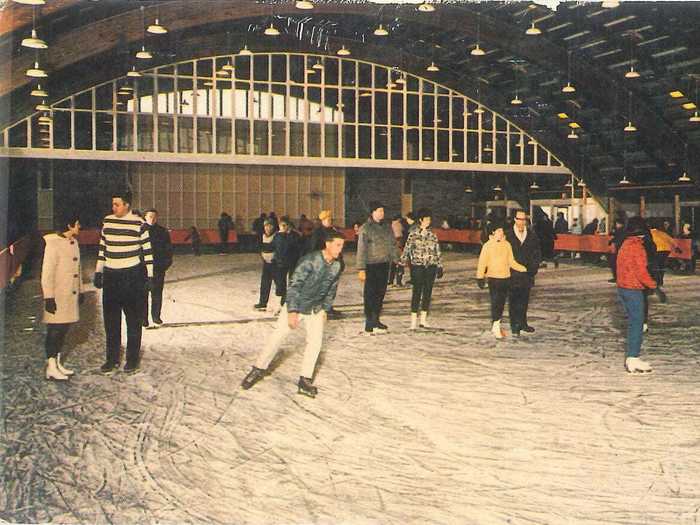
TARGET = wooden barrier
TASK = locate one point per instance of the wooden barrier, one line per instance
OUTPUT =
(207, 236)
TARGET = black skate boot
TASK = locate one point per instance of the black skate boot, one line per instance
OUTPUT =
(255, 375)
(306, 388)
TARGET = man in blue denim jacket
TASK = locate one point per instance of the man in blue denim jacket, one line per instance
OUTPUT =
(309, 299)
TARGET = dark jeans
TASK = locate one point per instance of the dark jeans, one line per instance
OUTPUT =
(196, 248)
(55, 335)
(661, 258)
(266, 282)
(280, 276)
(123, 292)
(396, 274)
(423, 278)
(633, 303)
(223, 245)
(613, 265)
(518, 301)
(498, 289)
(156, 296)
(374, 292)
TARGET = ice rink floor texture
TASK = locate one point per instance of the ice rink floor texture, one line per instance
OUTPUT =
(444, 426)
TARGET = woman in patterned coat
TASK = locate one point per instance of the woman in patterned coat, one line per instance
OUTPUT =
(422, 252)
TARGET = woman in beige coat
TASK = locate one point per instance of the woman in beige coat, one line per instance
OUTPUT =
(61, 285)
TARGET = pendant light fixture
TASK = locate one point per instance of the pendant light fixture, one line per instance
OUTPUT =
(34, 42)
(304, 4)
(432, 68)
(516, 100)
(143, 54)
(30, 2)
(568, 88)
(534, 185)
(133, 73)
(573, 135)
(497, 188)
(156, 28)
(695, 117)
(42, 106)
(245, 51)
(343, 52)
(684, 177)
(228, 66)
(381, 31)
(477, 51)
(624, 181)
(629, 128)
(533, 30)
(39, 92)
(632, 74)
(610, 4)
(36, 71)
(317, 65)
(426, 7)
(272, 30)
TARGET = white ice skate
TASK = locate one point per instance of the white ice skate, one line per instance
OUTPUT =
(52, 371)
(414, 321)
(65, 371)
(645, 328)
(497, 331)
(424, 320)
(634, 365)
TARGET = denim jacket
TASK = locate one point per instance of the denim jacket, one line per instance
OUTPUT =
(314, 284)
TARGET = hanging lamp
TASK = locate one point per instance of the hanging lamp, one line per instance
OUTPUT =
(568, 88)
(156, 28)
(30, 2)
(304, 4)
(533, 30)
(534, 185)
(133, 73)
(610, 4)
(573, 135)
(228, 66)
(38, 92)
(245, 51)
(317, 65)
(381, 31)
(630, 128)
(477, 51)
(343, 52)
(684, 177)
(695, 117)
(271, 30)
(432, 68)
(497, 187)
(517, 100)
(632, 73)
(42, 106)
(34, 42)
(624, 181)
(426, 7)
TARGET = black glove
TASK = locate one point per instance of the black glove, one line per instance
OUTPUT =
(81, 298)
(440, 272)
(50, 305)
(148, 285)
(481, 283)
(98, 280)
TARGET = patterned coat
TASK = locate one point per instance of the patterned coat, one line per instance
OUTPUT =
(422, 249)
(61, 278)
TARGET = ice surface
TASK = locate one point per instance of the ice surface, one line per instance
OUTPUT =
(446, 426)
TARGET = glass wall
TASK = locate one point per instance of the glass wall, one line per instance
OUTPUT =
(283, 105)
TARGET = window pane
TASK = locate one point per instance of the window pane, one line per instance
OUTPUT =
(166, 133)
(314, 146)
(261, 65)
(166, 95)
(397, 143)
(428, 110)
(205, 68)
(278, 138)
(331, 140)
(83, 130)
(380, 108)
(186, 99)
(296, 139)
(412, 108)
(348, 73)
(61, 129)
(204, 98)
(365, 142)
(242, 137)
(260, 137)
(185, 134)
(18, 134)
(331, 71)
(349, 105)
(223, 135)
(428, 145)
(279, 68)
(205, 137)
(443, 145)
(397, 108)
(412, 144)
(125, 132)
(83, 100)
(380, 142)
(185, 69)
(349, 142)
(103, 96)
(457, 146)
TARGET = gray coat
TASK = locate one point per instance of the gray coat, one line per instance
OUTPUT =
(61, 278)
(376, 244)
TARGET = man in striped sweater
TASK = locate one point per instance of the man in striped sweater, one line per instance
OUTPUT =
(123, 262)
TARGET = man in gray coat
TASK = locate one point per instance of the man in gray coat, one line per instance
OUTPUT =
(376, 250)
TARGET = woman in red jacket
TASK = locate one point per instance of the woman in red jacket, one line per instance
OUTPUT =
(632, 278)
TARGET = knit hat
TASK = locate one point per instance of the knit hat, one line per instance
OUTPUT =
(325, 214)
(270, 222)
(373, 205)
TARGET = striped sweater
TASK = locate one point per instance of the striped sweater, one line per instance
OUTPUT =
(124, 243)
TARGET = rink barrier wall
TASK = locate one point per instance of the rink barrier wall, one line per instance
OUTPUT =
(177, 236)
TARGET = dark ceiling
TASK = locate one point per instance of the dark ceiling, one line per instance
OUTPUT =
(584, 43)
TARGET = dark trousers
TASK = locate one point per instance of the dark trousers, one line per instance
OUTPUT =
(123, 291)
(613, 265)
(396, 274)
(223, 237)
(423, 278)
(374, 292)
(266, 282)
(156, 294)
(661, 258)
(518, 301)
(498, 290)
(280, 276)
(55, 335)
(196, 248)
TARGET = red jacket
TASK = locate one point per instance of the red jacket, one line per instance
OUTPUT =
(632, 270)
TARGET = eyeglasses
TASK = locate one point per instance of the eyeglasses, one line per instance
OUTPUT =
(521, 219)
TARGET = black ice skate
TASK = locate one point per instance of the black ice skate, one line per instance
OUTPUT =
(255, 375)
(306, 388)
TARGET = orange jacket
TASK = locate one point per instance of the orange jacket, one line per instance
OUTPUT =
(632, 270)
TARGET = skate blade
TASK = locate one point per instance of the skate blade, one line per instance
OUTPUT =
(305, 393)
(639, 372)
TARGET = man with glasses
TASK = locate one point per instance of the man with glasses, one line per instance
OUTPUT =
(526, 251)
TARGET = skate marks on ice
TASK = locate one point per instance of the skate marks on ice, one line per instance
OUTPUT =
(443, 427)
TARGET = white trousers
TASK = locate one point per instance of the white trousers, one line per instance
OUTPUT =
(313, 324)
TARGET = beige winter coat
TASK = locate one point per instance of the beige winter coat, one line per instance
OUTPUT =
(60, 278)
